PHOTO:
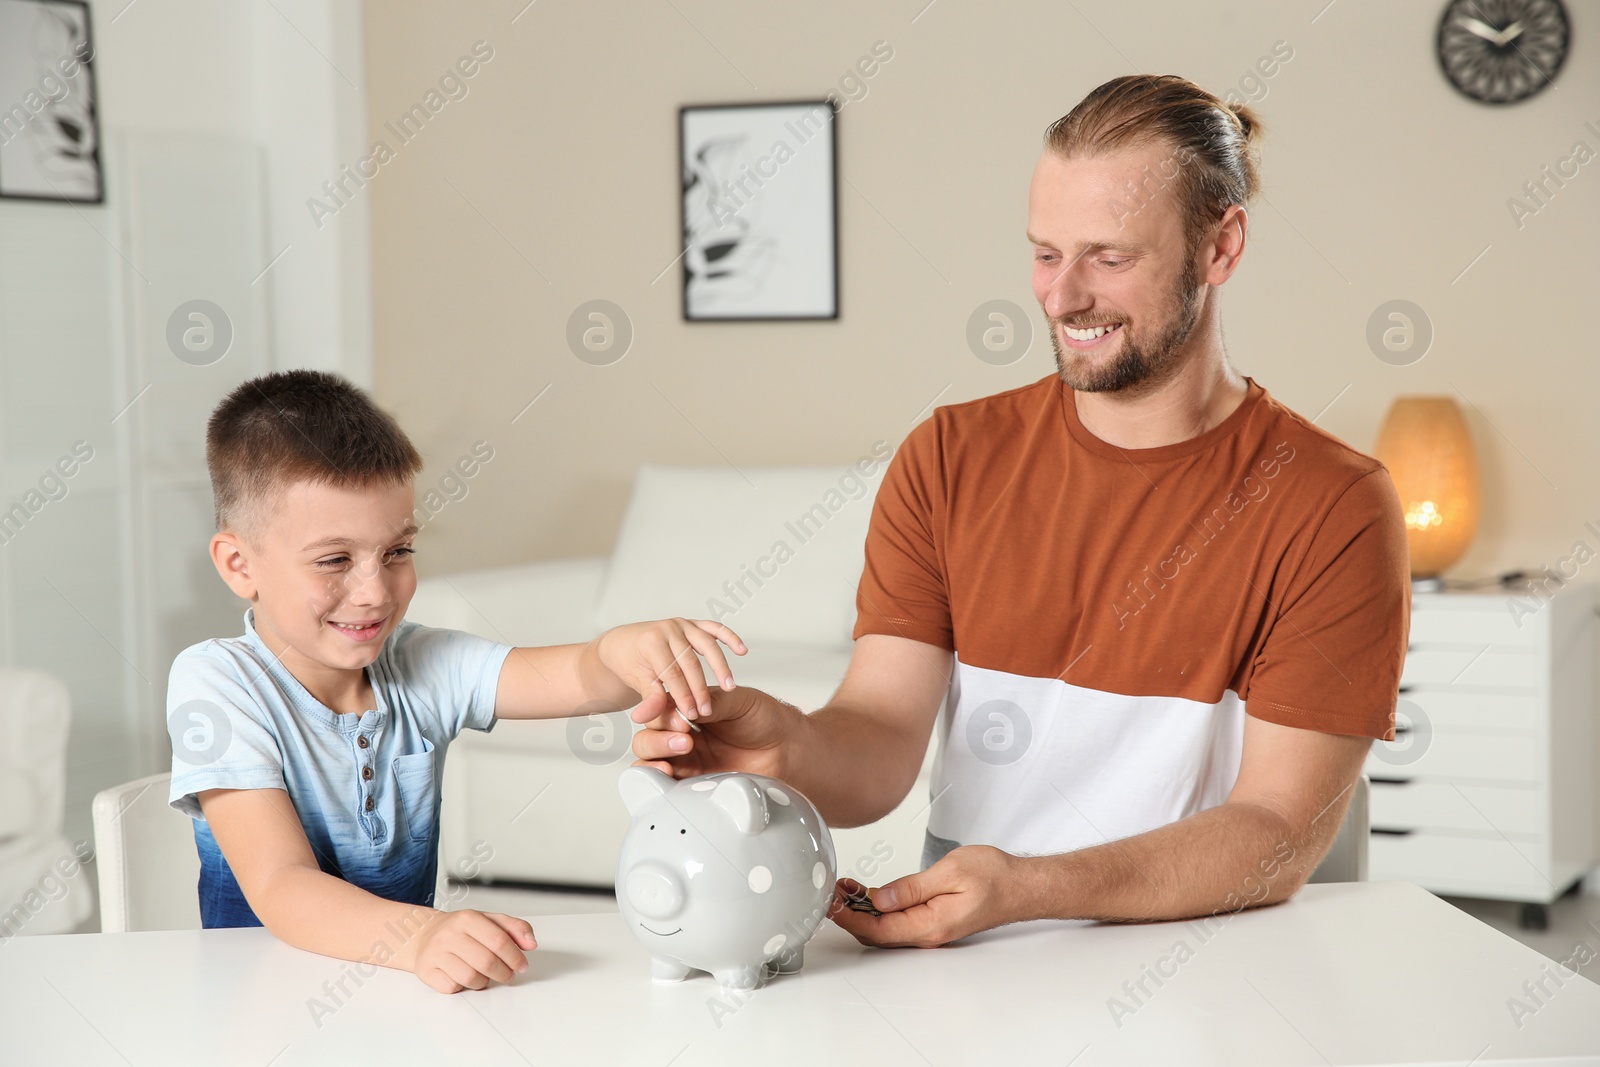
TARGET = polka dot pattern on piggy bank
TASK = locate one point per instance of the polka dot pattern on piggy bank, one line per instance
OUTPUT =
(725, 873)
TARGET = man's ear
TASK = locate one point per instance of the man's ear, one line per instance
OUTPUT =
(229, 556)
(1226, 246)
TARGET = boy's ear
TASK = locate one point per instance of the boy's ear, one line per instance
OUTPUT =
(228, 555)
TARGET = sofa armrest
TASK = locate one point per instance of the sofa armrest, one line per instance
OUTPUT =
(548, 603)
(18, 813)
(35, 716)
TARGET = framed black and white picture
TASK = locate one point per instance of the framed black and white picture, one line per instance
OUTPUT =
(760, 211)
(49, 136)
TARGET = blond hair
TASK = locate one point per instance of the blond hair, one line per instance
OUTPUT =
(1216, 142)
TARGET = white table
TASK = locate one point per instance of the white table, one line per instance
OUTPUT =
(1367, 973)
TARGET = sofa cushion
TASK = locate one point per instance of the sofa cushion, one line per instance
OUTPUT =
(774, 552)
(547, 603)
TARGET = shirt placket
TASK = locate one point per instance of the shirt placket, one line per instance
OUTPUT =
(364, 748)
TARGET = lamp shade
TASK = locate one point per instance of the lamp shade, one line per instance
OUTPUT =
(1427, 447)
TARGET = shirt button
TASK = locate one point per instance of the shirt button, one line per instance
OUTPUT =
(369, 803)
(362, 740)
(366, 774)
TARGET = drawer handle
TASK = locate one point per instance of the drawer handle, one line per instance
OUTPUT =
(1391, 833)
(1388, 781)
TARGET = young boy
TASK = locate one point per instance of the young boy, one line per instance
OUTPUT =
(310, 751)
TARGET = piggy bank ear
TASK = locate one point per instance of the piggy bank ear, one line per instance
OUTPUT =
(743, 799)
(642, 786)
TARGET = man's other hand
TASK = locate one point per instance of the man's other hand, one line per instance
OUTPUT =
(969, 890)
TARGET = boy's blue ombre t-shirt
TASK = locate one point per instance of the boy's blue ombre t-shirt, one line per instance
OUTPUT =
(366, 787)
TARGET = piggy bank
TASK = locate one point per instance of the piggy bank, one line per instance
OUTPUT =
(727, 873)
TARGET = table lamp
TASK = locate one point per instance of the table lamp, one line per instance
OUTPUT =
(1426, 446)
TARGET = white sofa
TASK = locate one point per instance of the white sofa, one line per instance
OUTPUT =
(44, 887)
(773, 552)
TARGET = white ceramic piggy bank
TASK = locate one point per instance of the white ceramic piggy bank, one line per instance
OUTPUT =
(728, 873)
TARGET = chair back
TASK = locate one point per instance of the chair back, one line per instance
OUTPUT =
(1346, 861)
(144, 851)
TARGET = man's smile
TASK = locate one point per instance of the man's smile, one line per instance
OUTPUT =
(1083, 339)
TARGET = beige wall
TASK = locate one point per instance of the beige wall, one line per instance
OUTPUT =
(1381, 182)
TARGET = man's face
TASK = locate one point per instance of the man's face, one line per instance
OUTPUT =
(329, 572)
(1108, 251)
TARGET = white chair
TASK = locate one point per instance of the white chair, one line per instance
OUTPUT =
(1346, 861)
(149, 869)
(42, 888)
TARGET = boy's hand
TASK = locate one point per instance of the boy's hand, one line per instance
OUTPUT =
(469, 949)
(660, 657)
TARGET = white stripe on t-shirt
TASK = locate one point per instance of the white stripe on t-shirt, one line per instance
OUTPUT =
(1035, 766)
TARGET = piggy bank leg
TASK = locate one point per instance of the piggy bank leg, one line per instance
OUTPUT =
(746, 977)
(667, 969)
(789, 962)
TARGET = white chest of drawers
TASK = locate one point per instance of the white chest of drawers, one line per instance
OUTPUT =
(1490, 792)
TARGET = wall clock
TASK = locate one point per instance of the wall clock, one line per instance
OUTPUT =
(1503, 51)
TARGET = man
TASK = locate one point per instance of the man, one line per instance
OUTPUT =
(1169, 613)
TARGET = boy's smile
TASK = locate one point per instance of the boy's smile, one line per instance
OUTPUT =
(328, 571)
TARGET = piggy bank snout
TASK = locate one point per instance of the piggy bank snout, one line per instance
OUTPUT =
(655, 891)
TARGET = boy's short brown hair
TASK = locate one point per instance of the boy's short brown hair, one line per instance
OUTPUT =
(299, 425)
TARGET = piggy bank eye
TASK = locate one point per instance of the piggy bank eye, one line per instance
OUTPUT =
(683, 831)
(652, 826)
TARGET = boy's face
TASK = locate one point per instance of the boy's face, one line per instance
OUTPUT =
(328, 571)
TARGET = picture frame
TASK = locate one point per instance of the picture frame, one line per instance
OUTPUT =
(759, 198)
(49, 122)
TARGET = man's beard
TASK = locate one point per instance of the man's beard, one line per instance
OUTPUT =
(1136, 364)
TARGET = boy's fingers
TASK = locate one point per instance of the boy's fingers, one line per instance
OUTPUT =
(707, 646)
(500, 945)
(435, 978)
(688, 662)
(671, 675)
(653, 709)
(724, 634)
(487, 961)
(520, 930)
(462, 973)
(668, 722)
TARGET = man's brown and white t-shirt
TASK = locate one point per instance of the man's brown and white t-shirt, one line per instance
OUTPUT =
(1115, 613)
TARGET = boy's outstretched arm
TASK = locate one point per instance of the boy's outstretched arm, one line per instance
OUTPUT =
(618, 669)
(265, 846)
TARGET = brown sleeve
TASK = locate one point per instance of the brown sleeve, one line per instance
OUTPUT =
(903, 592)
(1332, 658)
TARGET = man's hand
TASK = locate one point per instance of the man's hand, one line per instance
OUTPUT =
(469, 949)
(745, 730)
(967, 891)
(663, 657)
